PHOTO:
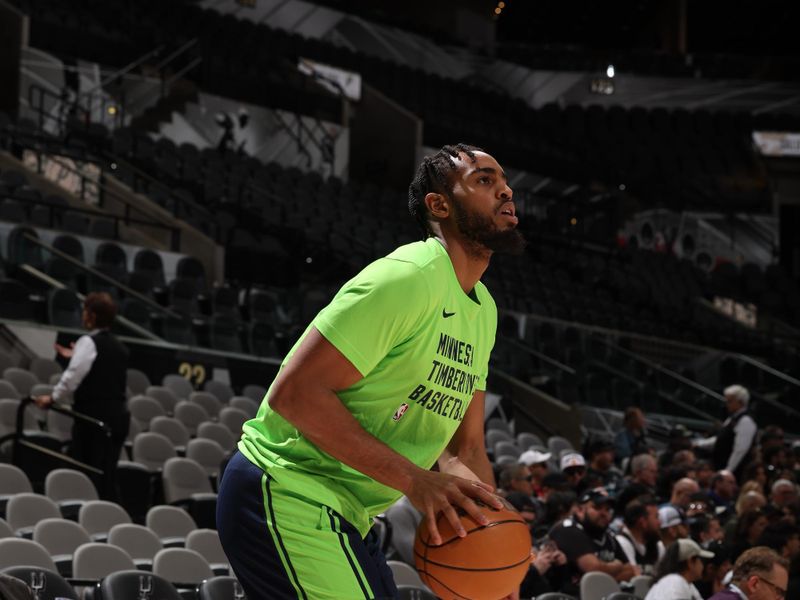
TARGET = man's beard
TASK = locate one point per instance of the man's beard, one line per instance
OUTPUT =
(485, 235)
(594, 531)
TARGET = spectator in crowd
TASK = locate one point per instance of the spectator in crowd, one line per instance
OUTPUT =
(747, 501)
(703, 472)
(554, 482)
(516, 478)
(601, 465)
(559, 506)
(96, 377)
(546, 573)
(632, 440)
(723, 490)
(639, 536)
(705, 529)
(733, 444)
(677, 571)
(783, 493)
(783, 537)
(714, 570)
(758, 574)
(587, 542)
(755, 472)
(525, 505)
(573, 466)
(682, 493)
(749, 528)
(672, 524)
(537, 468)
(699, 504)
(644, 471)
(684, 459)
(680, 438)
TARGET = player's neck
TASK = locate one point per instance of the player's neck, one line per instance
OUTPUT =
(469, 263)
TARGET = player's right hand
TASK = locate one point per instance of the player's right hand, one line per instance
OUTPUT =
(432, 493)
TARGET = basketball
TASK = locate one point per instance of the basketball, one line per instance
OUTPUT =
(488, 564)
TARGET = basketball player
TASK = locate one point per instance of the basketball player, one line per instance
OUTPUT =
(387, 381)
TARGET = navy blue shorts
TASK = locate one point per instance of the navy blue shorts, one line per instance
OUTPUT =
(282, 546)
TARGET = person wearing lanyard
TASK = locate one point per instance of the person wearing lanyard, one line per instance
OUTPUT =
(758, 574)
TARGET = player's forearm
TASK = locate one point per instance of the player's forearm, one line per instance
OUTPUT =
(322, 418)
(469, 464)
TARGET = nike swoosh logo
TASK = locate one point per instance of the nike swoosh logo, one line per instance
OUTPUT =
(446, 314)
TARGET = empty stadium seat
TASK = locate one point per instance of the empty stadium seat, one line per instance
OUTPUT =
(191, 415)
(99, 516)
(24, 510)
(179, 385)
(206, 543)
(233, 419)
(208, 454)
(222, 391)
(16, 551)
(95, 561)
(70, 489)
(173, 430)
(60, 537)
(171, 524)
(140, 542)
(152, 450)
(180, 565)
(208, 401)
(164, 396)
(218, 433)
(133, 585)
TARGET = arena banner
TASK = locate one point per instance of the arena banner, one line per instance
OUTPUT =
(777, 143)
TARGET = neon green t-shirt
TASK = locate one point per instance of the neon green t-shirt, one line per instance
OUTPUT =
(422, 346)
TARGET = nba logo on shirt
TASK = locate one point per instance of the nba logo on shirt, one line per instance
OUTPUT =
(398, 414)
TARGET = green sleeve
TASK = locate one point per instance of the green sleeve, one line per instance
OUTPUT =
(374, 312)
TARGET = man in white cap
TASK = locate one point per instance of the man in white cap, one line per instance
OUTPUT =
(537, 468)
(673, 524)
(732, 446)
(680, 567)
(573, 466)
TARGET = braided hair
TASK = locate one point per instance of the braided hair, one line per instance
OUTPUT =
(434, 176)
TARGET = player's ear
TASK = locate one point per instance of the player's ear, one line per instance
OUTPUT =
(437, 205)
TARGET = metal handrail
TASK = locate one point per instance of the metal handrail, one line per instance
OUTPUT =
(75, 262)
(774, 372)
(675, 375)
(552, 361)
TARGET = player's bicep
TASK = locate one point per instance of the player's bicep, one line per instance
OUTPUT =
(316, 363)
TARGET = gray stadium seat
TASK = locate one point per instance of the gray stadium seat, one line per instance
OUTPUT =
(206, 453)
(61, 537)
(152, 450)
(44, 368)
(164, 396)
(70, 489)
(137, 381)
(219, 433)
(179, 385)
(99, 516)
(95, 561)
(233, 419)
(181, 566)
(245, 404)
(144, 408)
(255, 392)
(191, 415)
(170, 523)
(140, 542)
(185, 479)
(206, 543)
(22, 379)
(222, 391)
(24, 510)
(15, 552)
(208, 401)
(173, 430)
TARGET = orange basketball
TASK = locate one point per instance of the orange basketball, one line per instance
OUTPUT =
(488, 564)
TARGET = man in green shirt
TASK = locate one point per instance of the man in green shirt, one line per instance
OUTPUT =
(387, 381)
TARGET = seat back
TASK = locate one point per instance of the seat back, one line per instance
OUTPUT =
(24, 510)
(597, 586)
(183, 477)
(152, 450)
(172, 429)
(60, 536)
(178, 384)
(221, 588)
(208, 401)
(13, 479)
(17, 551)
(95, 561)
(69, 484)
(138, 382)
(169, 521)
(165, 396)
(206, 542)
(191, 415)
(218, 433)
(137, 540)
(245, 404)
(180, 565)
(99, 516)
(134, 585)
(47, 583)
(255, 392)
(207, 453)
(222, 391)
(44, 368)
(233, 419)
(22, 379)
